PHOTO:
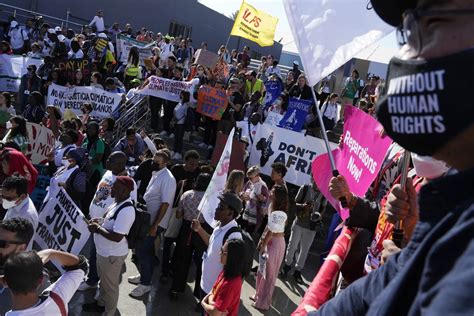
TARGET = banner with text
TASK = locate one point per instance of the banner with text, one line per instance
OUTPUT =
(12, 68)
(212, 102)
(104, 103)
(168, 89)
(125, 43)
(295, 115)
(61, 224)
(360, 158)
(297, 151)
(69, 67)
(41, 141)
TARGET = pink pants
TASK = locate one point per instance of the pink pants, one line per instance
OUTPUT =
(266, 284)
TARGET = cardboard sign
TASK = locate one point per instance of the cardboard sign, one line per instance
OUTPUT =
(206, 58)
(68, 68)
(168, 89)
(103, 103)
(41, 141)
(359, 160)
(212, 102)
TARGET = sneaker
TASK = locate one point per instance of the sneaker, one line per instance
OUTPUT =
(297, 276)
(86, 286)
(171, 135)
(285, 270)
(163, 133)
(134, 279)
(93, 307)
(140, 290)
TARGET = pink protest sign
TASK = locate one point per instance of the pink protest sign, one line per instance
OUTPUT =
(359, 159)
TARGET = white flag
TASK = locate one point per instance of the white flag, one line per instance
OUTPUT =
(210, 200)
(328, 33)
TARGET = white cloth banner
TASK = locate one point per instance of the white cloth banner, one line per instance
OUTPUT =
(124, 44)
(104, 103)
(210, 200)
(295, 150)
(61, 224)
(12, 67)
(41, 141)
(169, 89)
(326, 34)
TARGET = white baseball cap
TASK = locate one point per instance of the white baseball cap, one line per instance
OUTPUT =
(57, 29)
(13, 23)
(102, 35)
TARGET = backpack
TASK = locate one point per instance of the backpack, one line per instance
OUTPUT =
(141, 225)
(249, 246)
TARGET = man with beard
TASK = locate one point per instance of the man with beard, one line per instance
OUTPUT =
(432, 274)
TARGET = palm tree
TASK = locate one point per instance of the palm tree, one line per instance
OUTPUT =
(233, 16)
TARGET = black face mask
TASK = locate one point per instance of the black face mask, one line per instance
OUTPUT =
(424, 106)
(155, 166)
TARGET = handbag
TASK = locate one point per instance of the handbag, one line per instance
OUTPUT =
(174, 225)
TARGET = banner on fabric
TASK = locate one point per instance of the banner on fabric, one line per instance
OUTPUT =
(295, 115)
(273, 90)
(168, 89)
(359, 160)
(254, 25)
(295, 150)
(61, 224)
(313, 24)
(12, 68)
(212, 102)
(210, 200)
(41, 141)
(125, 43)
(236, 157)
(103, 103)
(69, 67)
(273, 118)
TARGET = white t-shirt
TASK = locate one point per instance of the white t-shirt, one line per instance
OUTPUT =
(179, 113)
(161, 189)
(99, 23)
(75, 55)
(121, 225)
(276, 221)
(244, 125)
(102, 199)
(64, 287)
(27, 210)
(17, 38)
(211, 259)
(330, 111)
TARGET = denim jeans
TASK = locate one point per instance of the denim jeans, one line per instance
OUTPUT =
(146, 258)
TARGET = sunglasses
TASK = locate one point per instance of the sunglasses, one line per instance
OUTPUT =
(5, 243)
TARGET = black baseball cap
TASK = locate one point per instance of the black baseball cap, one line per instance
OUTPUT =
(391, 10)
(232, 200)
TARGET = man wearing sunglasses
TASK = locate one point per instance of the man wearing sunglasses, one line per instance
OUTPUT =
(15, 234)
(433, 273)
(17, 203)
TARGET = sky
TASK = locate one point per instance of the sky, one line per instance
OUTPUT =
(275, 8)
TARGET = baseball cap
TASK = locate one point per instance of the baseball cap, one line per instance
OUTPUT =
(232, 200)
(126, 181)
(51, 31)
(13, 23)
(57, 29)
(61, 37)
(102, 35)
(390, 11)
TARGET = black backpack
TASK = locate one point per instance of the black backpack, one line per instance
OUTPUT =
(249, 245)
(140, 226)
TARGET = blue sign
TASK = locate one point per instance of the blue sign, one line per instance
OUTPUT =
(273, 88)
(296, 114)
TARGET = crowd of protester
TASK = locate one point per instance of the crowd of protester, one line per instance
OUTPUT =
(111, 180)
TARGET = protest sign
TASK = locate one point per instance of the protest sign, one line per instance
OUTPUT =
(273, 118)
(125, 43)
(273, 90)
(61, 224)
(206, 58)
(210, 200)
(103, 103)
(12, 68)
(360, 158)
(296, 114)
(236, 158)
(221, 70)
(212, 102)
(168, 89)
(41, 140)
(295, 150)
(68, 68)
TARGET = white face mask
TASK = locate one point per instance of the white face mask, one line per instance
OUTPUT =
(8, 204)
(200, 72)
(66, 163)
(8, 125)
(428, 167)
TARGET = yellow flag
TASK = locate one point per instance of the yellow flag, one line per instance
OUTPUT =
(254, 25)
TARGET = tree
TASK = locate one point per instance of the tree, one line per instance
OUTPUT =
(233, 16)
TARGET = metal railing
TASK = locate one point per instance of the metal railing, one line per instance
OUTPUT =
(136, 113)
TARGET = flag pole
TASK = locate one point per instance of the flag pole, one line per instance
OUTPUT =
(335, 172)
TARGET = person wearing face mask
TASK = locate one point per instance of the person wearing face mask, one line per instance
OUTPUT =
(433, 274)
(17, 202)
(279, 106)
(159, 197)
(67, 140)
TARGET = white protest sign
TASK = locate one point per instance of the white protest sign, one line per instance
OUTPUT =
(273, 118)
(41, 141)
(103, 103)
(297, 151)
(210, 200)
(61, 224)
(124, 44)
(168, 89)
(12, 68)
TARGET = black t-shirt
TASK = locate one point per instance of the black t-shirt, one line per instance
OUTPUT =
(143, 174)
(236, 98)
(297, 92)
